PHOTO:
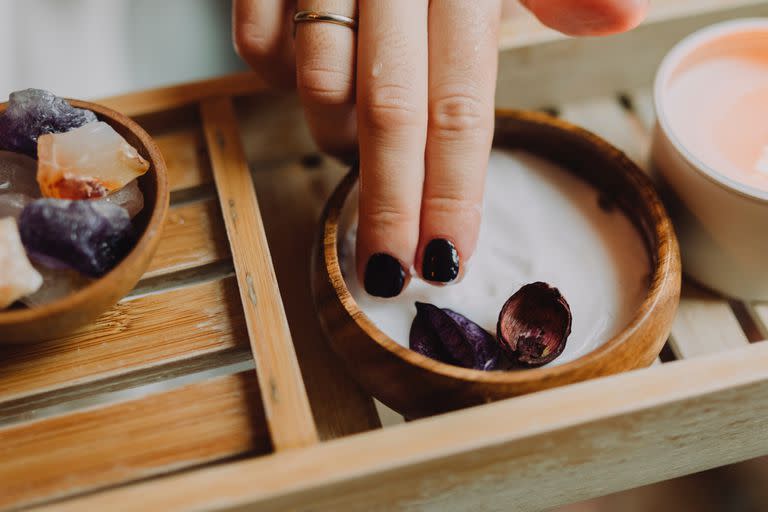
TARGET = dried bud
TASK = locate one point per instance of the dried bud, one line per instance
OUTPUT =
(534, 325)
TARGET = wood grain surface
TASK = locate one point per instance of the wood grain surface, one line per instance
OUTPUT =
(291, 233)
(289, 416)
(131, 440)
(164, 327)
(193, 236)
(705, 324)
(186, 157)
(529, 453)
(167, 98)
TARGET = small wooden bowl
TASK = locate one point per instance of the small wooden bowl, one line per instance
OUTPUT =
(67, 314)
(415, 385)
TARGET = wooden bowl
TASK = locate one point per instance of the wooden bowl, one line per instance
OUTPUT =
(415, 385)
(67, 314)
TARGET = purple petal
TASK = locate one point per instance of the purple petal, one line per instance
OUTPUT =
(450, 337)
(424, 341)
(484, 345)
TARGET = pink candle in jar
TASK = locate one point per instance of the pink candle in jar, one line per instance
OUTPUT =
(716, 103)
(710, 151)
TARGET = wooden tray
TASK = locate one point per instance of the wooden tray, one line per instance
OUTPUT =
(157, 406)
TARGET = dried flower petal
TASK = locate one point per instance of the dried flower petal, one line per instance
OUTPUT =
(424, 341)
(486, 348)
(450, 337)
(534, 325)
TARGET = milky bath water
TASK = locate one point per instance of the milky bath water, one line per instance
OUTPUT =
(540, 223)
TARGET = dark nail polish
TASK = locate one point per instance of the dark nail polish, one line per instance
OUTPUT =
(384, 276)
(441, 261)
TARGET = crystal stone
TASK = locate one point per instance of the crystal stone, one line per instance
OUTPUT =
(57, 284)
(17, 275)
(89, 236)
(87, 163)
(34, 112)
(129, 197)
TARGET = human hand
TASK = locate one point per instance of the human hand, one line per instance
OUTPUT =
(413, 87)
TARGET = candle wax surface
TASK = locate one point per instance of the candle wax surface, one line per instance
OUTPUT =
(540, 223)
(718, 110)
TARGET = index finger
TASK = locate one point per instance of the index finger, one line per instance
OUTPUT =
(392, 126)
(462, 81)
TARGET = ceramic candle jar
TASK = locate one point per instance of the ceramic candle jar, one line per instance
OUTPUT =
(710, 151)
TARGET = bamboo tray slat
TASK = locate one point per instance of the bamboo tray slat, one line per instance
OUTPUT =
(98, 447)
(206, 318)
(147, 409)
(523, 451)
(198, 229)
(185, 157)
(289, 415)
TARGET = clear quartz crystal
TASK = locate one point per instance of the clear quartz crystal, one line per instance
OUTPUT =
(18, 277)
(57, 284)
(18, 174)
(86, 163)
(129, 197)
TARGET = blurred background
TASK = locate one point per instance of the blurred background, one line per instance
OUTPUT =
(94, 48)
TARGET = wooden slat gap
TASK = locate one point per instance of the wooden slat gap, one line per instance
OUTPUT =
(124, 387)
(181, 279)
(190, 195)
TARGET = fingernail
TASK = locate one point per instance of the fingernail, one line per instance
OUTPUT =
(384, 276)
(441, 261)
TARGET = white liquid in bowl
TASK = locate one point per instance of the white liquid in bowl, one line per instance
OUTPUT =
(540, 223)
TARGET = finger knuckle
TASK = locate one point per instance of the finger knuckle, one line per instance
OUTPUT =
(452, 204)
(388, 217)
(453, 115)
(250, 42)
(391, 107)
(325, 85)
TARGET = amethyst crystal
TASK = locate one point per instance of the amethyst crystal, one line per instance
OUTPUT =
(34, 112)
(534, 325)
(89, 236)
(450, 337)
